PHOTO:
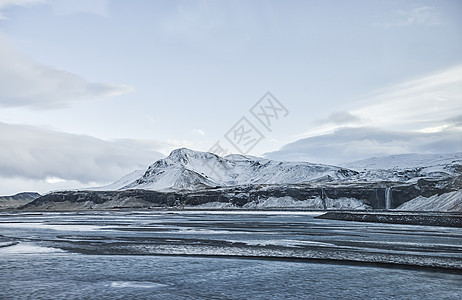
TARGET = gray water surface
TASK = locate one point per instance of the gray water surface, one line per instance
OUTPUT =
(121, 255)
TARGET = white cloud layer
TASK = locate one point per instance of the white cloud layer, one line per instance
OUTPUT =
(423, 115)
(61, 7)
(427, 104)
(416, 104)
(69, 7)
(7, 3)
(34, 153)
(349, 144)
(26, 83)
(423, 15)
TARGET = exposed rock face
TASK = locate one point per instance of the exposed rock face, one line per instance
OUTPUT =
(372, 195)
(77, 200)
(9, 202)
(191, 178)
(451, 202)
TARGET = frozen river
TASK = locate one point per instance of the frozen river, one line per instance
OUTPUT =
(223, 255)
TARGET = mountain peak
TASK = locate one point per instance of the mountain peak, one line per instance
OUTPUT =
(182, 152)
(189, 169)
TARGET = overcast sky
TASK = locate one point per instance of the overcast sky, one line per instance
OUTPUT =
(93, 89)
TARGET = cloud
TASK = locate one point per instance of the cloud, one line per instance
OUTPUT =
(61, 7)
(422, 115)
(8, 3)
(35, 153)
(26, 83)
(341, 118)
(199, 132)
(416, 104)
(424, 15)
(427, 104)
(349, 144)
(455, 121)
(194, 19)
(69, 7)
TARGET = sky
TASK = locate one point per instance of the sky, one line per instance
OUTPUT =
(91, 90)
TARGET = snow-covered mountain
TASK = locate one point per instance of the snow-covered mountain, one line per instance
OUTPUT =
(185, 169)
(451, 201)
(406, 161)
(122, 182)
(407, 167)
(17, 200)
(188, 178)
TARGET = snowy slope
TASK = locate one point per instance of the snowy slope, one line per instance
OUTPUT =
(451, 201)
(127, 179)
(407, 167)
(186, 169)
(405, 161)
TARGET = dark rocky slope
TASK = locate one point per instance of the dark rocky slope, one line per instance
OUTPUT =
(9, 202)
(372, 195)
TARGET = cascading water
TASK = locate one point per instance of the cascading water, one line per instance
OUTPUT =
(323, 198)
(388, 198)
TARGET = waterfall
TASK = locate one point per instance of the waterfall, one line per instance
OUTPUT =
(323, 198)
(388, 198)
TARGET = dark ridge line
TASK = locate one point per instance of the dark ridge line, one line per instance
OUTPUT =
(440, 269)
(268, 209)
(9, 245)
(434, 219)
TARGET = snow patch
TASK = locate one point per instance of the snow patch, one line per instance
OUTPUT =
(345, 203)
(137, 284)
(405, 161)
(186, 169)
(28, 248)
(451, 201)
(126, 180)
(284, 202)
(315, 203)
(215, 205)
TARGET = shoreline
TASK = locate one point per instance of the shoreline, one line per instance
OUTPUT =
(446, 219)
(420, 218)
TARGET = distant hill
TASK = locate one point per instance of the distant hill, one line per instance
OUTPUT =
(406, 161)
(8, 202)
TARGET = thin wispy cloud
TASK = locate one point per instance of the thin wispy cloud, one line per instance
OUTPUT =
(4, 4)
(199, 132)
(421, 115)
(349, 144)
(27, 83)
(69, 7)
(421, 104)
(416, 104)
(60, 7)
(193, 20)
(424, 15)
(341, 118)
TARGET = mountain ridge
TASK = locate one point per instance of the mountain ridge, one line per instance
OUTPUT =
(188, 169)
(188, 178)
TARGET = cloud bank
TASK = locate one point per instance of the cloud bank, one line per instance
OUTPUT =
(422, 115)
(34, 153)
(423, 16)
(26, 83)
(7, 3)
(349, 144)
